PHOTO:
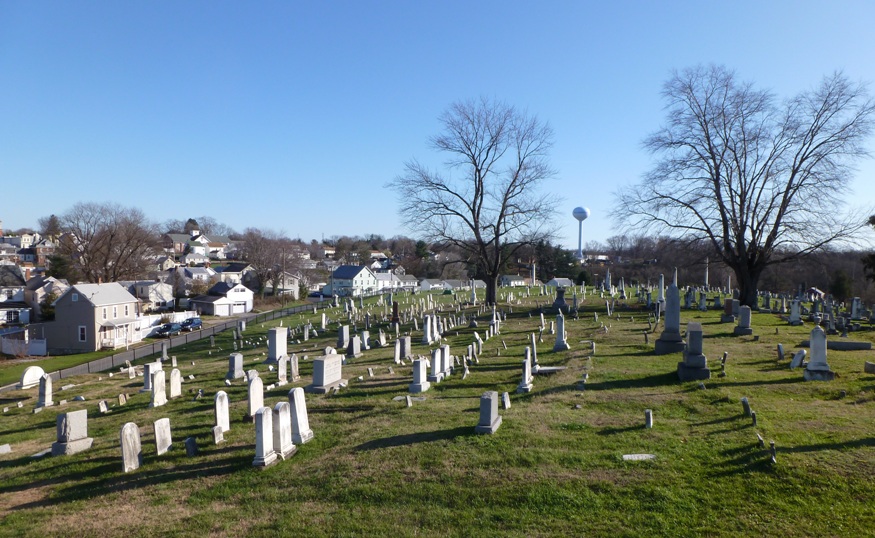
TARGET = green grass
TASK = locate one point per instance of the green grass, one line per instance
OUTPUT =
(555, 467)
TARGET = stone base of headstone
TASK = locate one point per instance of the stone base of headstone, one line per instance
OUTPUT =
(818, 375)
(434, 378)
(727, 319)
(742, 331)
(692, 373)
(218, 434)
(419, 387)
(869, 367)
(491, 428)
(669, 342)
(73, 447)
(561, 346)
(287, 453)
(270, 459)
(324, 389)
(302, 437)
(522, 388)
(797, 323)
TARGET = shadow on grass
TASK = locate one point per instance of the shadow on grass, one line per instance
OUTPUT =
(857, 443)
(787, 381)
(614, 431)
(659, 380)
(413, 438)
(141, 478)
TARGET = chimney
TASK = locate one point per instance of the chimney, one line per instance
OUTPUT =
(26, 274)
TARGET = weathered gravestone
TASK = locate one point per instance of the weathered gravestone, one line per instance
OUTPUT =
(235, 366)
(175, 383)
(45, 391)
(30, 377)
(264, 451)
(327, 372)
(301, 432)
(743, 328)
(490, 420)
(163, 440)
(420, 384)
(695, 365)
(255, 400)
(159, 388)
(817, 368)
(223, 418)
(277, 344)
(670, 340)
(294, 373)
(282, 431)
(561, 342)
(526, 381)
(132, 449)
(72, 433)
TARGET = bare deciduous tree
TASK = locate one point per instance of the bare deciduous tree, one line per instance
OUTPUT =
(487, 203)
(109, 242)
(757, 179)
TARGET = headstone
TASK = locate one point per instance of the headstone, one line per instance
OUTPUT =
(795, 313)
(102, 406)
(173, 361)
(218, 435)
(235, 366)
(282, 431)
(505, 400)
(354, 348)
(437, 368)
(222, 414)
(743, 328)
(149, 370)
(122, 399)
(277, 344)
(191, 447)
(797, 359)
(343, 337)
(264, 451)
(159, 390)
(132, 449)
(561, 342)
(162, 435)
(327, 374)
(30, 377)
(420, 384)
(255, 400)
(648, 418)
(728, 312)
(490, 420)
(670, 340)
(301, 432)
(526, 381)
(695, 365)
(45, 391)
(780, 352)
(817, 368)
(175, 384)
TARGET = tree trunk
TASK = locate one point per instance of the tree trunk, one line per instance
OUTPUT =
(748, 279)
(491, 289)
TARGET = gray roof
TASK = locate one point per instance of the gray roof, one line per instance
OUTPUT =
(10, 276)
(103, 294)
(349, 271)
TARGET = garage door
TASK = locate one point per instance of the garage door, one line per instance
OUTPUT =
(223, 310)
(239, 308)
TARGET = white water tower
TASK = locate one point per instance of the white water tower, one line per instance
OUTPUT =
(580, 213)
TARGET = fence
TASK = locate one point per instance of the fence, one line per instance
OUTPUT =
(117, 360)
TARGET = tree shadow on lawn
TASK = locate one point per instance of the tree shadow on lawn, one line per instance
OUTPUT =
(658, 380)
(756, 459)
(141, 478)
(413, 438)
(785, 381)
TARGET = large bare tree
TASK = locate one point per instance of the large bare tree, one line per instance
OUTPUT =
(760, 180)
(487, 203)
(109, 242)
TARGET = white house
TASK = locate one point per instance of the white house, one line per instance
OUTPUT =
(351, 280)
(388, 281)
(224, 299)
(511, 280)
(431, 284)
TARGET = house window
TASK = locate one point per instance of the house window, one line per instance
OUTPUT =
(127, 310)
(12, 316)
(74, 297)
(114, 312)
(82, 334)
(104, 312)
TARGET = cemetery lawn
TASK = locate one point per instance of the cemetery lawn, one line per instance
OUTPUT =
(555, 467)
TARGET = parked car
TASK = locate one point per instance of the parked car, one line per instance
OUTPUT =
(191, 324)
(169, 329)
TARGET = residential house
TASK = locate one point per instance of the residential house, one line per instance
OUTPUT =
(511, 280)
(41, 288)
(193, 258)
(409, 282)
(289, 285)
(153, 295)
(90, 317)
(388, 281)
(175, 243)
(236, 273)
(351, 280)
(431, 284)
(165, 263)
(224, 299)
(204, 274)
(13, 309)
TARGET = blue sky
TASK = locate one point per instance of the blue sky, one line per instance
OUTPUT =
(292, 116)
